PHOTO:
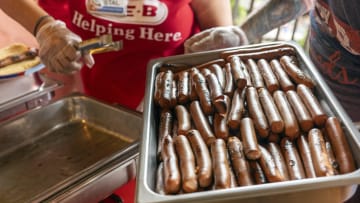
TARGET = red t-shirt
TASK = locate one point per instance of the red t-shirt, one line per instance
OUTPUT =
(149, 29)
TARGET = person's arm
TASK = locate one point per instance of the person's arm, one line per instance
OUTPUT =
(273, 14)
(26, 12)
(218, 31)
(58, 45)
(212, 13)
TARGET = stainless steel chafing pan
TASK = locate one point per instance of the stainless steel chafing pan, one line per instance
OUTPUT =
(322, 189)
(76, 149)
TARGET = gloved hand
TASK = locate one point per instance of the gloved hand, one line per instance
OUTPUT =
(216, 38)
(58, 48)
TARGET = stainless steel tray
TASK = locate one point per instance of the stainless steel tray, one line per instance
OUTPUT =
(324, 189)
(60, 151)
(25, 92)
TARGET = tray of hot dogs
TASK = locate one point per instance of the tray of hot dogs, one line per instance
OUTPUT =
(247, 124)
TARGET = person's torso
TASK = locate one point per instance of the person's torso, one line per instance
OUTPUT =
(148, 29)
(339, 19)
(335, 47)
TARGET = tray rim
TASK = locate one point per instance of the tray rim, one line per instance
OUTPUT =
(144, 193)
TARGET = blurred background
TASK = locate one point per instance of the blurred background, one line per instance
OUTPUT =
(296, 30)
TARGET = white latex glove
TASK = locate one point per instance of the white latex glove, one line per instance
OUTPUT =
(216, 38)
(58, 48)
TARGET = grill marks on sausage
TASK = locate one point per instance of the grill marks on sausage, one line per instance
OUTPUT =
(296, 74)
(239, 162)
(319, 153)
(221, 165)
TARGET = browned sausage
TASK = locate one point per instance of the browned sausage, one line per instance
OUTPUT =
(305, 154)
(284, 80)
(247, 76)
(319, 154)
(292, 159)
(239, 163)
(172, 177)
(29, 54)
(340, 145)
(205, 72)
(157, 91)
(269, 167)
(203, 92)
(312, 104)
(265, 54)
(272, 51)
(221, 166)
(222, 105)
(165, 128)
(201, 122)
(275, 151)
(249, 140)
(159, 188)
(271, 111)
(268, 75)
(217, 70)
(237, 72)
(187, 164)
(183, 87)
(274, 137)
(193, 95)
(175, 127)
(183, 118)
(220, 127)
(202, 157)
(209, 63)
(233, 181)
(216, 92)
(255, 75)
(302, 114)
(257, 172)
(174, 93)
(294, 71)
(220, 122)
(229, 81)
(329, 149)
(256, 112)
(166, 89)
(292, 129)
(236, 110)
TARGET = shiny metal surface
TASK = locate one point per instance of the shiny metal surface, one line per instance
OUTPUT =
(65, 148)
(101, 44)
(325, 189)
(24, 92)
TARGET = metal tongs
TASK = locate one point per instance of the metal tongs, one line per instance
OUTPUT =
(100, 44)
